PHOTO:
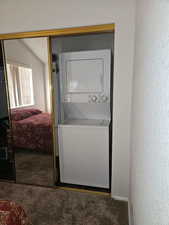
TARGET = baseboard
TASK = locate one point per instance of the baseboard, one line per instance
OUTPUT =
(130, 214)
(119, 198)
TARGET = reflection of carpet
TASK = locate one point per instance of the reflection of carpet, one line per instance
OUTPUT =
(47, 206)
(34, 168)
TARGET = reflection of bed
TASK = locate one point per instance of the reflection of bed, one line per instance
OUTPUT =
(32, 129)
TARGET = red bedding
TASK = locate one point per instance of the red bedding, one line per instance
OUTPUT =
(12, 214)
(33, 132)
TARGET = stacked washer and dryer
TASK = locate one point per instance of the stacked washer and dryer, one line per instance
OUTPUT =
(84, 117)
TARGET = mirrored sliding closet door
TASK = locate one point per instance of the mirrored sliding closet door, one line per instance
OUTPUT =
(27, 66)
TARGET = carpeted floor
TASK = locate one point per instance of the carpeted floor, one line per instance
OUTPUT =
(47, 206)
(34, 168)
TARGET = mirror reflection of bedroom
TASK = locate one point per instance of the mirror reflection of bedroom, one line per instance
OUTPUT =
(30, 104)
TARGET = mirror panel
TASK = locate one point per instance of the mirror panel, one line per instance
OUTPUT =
(31, 110)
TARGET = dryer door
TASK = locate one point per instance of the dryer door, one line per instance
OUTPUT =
(85, 76)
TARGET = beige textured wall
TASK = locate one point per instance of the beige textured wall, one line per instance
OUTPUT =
(150, 136)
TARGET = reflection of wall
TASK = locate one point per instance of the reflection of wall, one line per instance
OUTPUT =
(47, 87)
(16, 51)
(39, 46)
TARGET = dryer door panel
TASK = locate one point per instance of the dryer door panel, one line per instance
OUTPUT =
(84, 74)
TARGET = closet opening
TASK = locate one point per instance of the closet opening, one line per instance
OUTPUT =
(73, 91)
(83, 86)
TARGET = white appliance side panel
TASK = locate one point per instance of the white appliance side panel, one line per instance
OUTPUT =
(84, 155)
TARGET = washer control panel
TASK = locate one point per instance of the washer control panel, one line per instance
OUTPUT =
(97, 98)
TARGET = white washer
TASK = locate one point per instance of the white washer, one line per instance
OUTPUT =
(84, 152)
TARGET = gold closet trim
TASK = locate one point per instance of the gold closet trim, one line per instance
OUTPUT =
(60, 32)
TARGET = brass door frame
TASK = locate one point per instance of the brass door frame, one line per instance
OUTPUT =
(93, 29)
(52, 101)
(104, 28)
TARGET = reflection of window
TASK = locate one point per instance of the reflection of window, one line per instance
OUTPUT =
(20, 85)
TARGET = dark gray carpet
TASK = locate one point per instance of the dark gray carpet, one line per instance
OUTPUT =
(34, 168)
(47, 206)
